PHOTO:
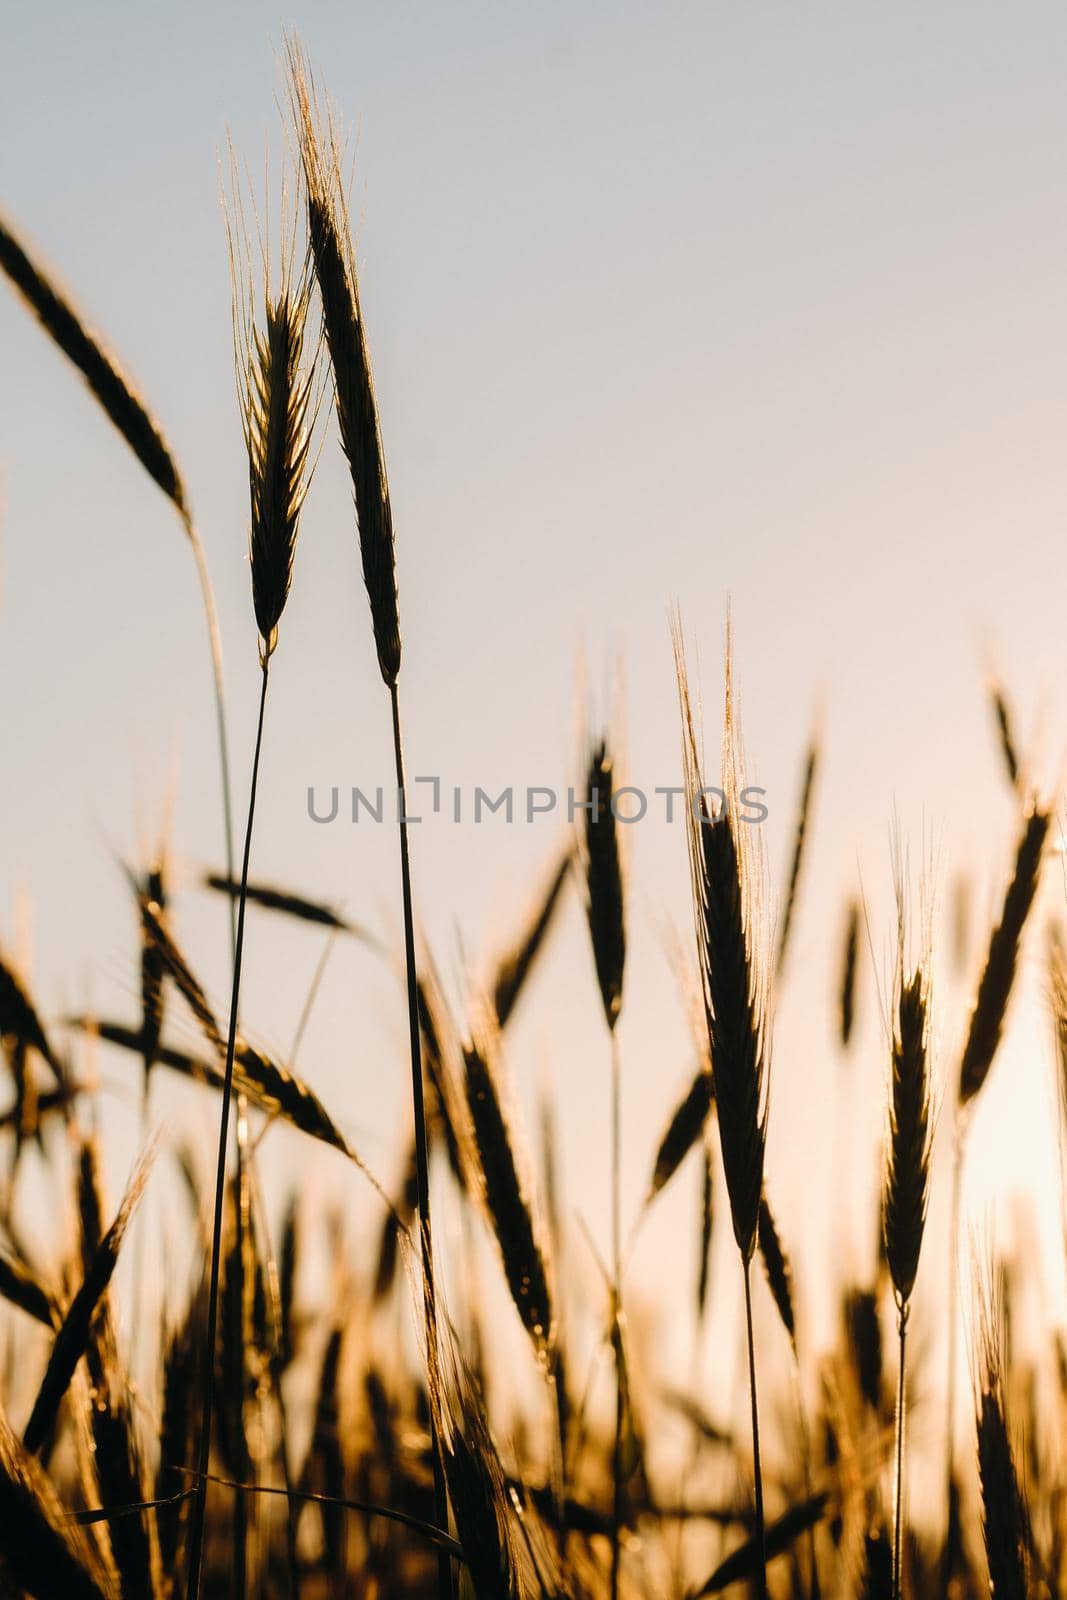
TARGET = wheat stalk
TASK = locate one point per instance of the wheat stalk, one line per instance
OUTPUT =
(606, 915)
(906, 1184)
(983, 1037)
(277, 409)
(359, 426)
(734, 999)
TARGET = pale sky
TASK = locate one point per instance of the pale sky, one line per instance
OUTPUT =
(667, 305)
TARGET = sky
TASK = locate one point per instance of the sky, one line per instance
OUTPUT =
(682, 305)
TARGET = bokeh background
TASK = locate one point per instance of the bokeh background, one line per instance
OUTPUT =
(667, 304)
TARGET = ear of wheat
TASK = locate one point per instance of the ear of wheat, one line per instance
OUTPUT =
(346, 337)
(906, 1183)
(1004, 1520)
(733, 987)
(735, 1002)
(605, 907)
(998, 974)
(849, 974)
(505, 1191)
(277, 393)
(907, 1169)
(800, 841)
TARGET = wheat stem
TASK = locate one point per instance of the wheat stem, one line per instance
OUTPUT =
(761, 1577)
(196, 1536)
(953, 1313)
(898, 1517)
(422, 1162)
(616, 1311)
(215, 646)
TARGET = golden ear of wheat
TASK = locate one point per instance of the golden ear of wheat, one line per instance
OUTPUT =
(907, 1175)
(734, 993)
(998, 974)
(849, 972)
(346, 340)
(605, 905)
(505, 1193)
(1004, 1518)
(101, 372)
(278, 395)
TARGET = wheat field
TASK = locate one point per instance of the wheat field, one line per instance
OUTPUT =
(236, 1394)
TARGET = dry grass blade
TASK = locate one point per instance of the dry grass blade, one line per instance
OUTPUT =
(178, 969)
(72, 1338)
(267, 1084)
(403, 1213)
(779, 1272)
(100, 371)
(849, 974)
(19, 1021)
(734, 996)
(684, 1130)
(603, 881)
(20, 1288)
(1004, 1520)
(707, 1230)
(43, 1555)
(998, 975)
(120, 1475)
(811, 766)
(177, 1436)
(357, 409)
(152, 970)
(907, 1171)
(52, 1103)
(863, 1338)
(483, 1509)
(505, 1195)
(743, 1563)
(514, 968)
(1005, 732)
(271, 898)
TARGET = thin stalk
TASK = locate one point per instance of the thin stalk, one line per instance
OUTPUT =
(761, 1575)
(898, 1515)
(422, 1160)
(196, 1535)
(950, 1399)
(557, 1447)
(616, 1312)
(215, 645)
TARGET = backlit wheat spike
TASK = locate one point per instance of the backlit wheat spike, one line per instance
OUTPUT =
(45, 1555)
(849, 974)
(605, 907)
(1005, 731)
(735, 1003)
(684, 1130)
(346, 339)
(506, 1194)
(278, 396)
(100, 370)
(906, 1183)
(1004, 1519)
(515, 966)
(800, 840)
(72, 1336)
(734, 996)
(998, 974)
(779, 1272)
(19, 1020)
(907, 1172)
